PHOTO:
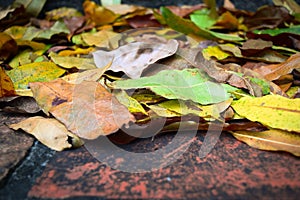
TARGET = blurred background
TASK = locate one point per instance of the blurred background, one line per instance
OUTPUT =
(240, 4)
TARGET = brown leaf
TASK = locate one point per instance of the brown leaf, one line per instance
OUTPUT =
(253, 47)
(21, 105)
(143, 21)
(268, 17)
(8, 47)
(87, 109)
(275, 71)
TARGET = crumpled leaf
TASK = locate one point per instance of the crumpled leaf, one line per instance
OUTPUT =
(8, 47)
(87, 109)
(272, 140)
(188, 84)
(69, 62)
(50, 132)
(133, 58)
(273, 111)
(6, 85)
(275, 71)
(34, 72)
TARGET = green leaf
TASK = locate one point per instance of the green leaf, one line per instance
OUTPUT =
(188, 84)
(273, 32)
(110, 2)
(273, 140)
(202, 19)
(34, 72)
(183, 25)
(272, 110)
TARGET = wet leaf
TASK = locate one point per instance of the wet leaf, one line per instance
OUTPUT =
(87, 109)
(33, 72)
(272, 110)
(6, 85)
(50, 132)
(188, 84)
(272, 140)
(69, 62)
(134, 58)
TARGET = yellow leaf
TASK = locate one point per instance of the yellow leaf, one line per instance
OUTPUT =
(76, 51)
(34, 72)
(69, 62)
(272, 110)
(273, 140)
(50, 132)
(104, 38)
(98, 14)
(214, 51)
(133, 105)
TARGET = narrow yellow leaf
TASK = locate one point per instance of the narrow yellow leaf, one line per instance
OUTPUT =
(272, 110)
(273, 140)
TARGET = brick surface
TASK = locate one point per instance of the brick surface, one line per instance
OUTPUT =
(232, 170)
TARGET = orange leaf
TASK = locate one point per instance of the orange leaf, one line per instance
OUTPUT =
(275, 71)
(87, 109)
(6, 85)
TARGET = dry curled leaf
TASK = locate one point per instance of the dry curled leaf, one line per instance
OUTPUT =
(50, 132)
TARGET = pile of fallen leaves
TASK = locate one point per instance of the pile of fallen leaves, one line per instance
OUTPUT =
(89, 75)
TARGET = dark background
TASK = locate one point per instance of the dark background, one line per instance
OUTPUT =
(246, 5)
